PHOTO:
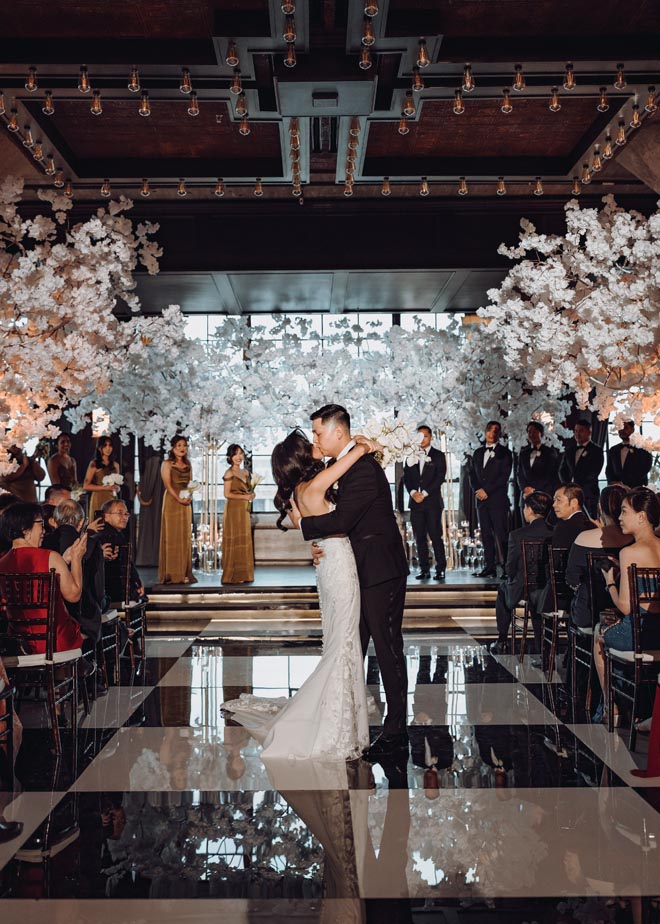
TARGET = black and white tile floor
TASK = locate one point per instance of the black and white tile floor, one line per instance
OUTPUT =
(172, 815)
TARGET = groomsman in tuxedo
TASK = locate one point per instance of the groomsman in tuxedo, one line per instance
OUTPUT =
(489, 476)
(538, 465)
(582, 463)
(423, 481)
(627, 464)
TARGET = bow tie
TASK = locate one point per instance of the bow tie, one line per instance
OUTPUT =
(489, 454)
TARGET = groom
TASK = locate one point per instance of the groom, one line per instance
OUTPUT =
(364, 513)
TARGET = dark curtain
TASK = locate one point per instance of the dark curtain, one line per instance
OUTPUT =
(150, 498)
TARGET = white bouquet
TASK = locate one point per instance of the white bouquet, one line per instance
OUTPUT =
(400, 440)
(255, 480)
(190, 489)
(114, 479)
(77, 492)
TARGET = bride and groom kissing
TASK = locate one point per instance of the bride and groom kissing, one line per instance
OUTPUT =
(346, 507)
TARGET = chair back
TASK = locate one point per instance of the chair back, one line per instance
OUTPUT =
(535, 565)
(644, 586)
(596, 562)
(561, 591)
(125, 558)
(27, 611)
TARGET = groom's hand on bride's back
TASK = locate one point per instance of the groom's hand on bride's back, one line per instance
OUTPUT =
(317, 554)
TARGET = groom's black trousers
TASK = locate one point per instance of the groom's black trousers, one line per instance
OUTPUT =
(381, 617)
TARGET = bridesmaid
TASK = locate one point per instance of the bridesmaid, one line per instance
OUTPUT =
(103, 464)
(61, 466)
(237, 552)
(175, 557)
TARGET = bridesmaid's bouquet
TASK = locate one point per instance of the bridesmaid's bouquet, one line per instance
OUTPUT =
(255, 481)
(114, 479)
(77, 492)
(189, 490)
(400, 440)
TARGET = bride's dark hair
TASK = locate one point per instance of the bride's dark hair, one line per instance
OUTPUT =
(292, 462)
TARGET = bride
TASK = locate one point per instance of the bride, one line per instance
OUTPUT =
(327, 717)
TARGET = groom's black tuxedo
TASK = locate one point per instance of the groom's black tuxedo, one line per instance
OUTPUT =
(364, 513)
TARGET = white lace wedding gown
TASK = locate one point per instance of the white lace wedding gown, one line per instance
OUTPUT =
(327, 717)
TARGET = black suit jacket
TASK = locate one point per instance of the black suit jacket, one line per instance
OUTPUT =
(587, 470)
(364, 513)
(514, 584)
(86, 611)
(635, 471)
(431, 479)
(543, 475)
(115, 581)
(493, 477)
(566, 531)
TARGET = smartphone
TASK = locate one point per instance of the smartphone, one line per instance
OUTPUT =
(84, 525)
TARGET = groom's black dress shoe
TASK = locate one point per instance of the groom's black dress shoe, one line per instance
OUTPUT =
(385, 746)
(485, 572)
(423, 576)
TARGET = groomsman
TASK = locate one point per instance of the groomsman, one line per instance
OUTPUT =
(538, 465)
(489, 476)
(582, 463)
(423, 481)
(627, 464)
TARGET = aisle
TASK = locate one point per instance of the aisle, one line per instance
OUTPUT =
(171, 805)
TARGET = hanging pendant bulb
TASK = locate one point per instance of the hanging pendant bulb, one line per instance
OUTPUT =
(403, 125)
(635, 121)
(586, 175)
(134, 80)
(501, 186)
(258, 188)
(424, 187)
(468, 79)
(219, 190)
(31, 80)
(348, 189)
(244, 127)
(577, 188)
(48, 108)
(50, 165)
(68, 189)
(241, 106)
(555, 105)
(417, 82)
(232, 55)
(83, 80)
(290, 56)
(621, 133)
(145, 192)
(96, 108)
(181, 188)
(519, 83)
(236, 86)
(371, 8)
(538, 187)
(597, 163)
(288, 7)
(28, 141)
(144, 109)
(422, 54)
(386, 189)
(289, 31)
(458, 108)
(620, 82)
(186, 84)
(193, 105)
(507, 106)
(106, 192)
(462, 186)
(355, 127)
(365, 59)
(38, 151)
(651, 105)
(12, 124)
(58, 181)
(569, 77)
(607, 150)
(409, 105)
(368, 37)
(603, 105)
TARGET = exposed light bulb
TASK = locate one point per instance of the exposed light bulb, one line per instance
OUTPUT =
(145, 192)
(597, 163)
(83, 80)
(288, 7)
(538, 187)
(38, 151)
(2, 103)
(231, 57)
(635, 121)
(258, 188)
(12, 124)
(607, 150)
(577, 188)
(519, 83)
(68, 189)
(386, 189)
(403, 125)
(31, 80)
(59, 179)
(181, 188)
(422, 54)
(368, 37)
(50, 166)
(193, 105)
(355, 126)
(244, 127)
(96, 108)
(48, 108)
(219, 190)
(462, 186)
(651, 105)
(424, 187)
(459, 108)
(289, 31)
(620, 82)
(348, 189)
(569, 77)
(586, 175)
(501, 186)
(144, 109)
(555, 105)
(28, 140)
(603, 105)
(106, 192)
(290, 56)
(296, 190)
(241, 106)
(134, 80)
(365, 59)
(468, 79)
(409, 105)
(507, 106)
(186, 84)
(371, 8)
(417, 82)
(236, 86)
(621, 133)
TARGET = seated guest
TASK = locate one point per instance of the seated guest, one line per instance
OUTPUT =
(626, 464)
(582, 463)
(537, 465)
(56, 493)
(640, 517)
(69, 517)
(22, 526)
(607, 540)
(536, 507)
(115, 513)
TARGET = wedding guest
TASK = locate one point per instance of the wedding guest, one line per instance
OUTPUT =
(22, 526)
(640, 517)
(626, 464)
(582, 463)
(6, 500)
(23, 481)
(101, 466)
(237, 550)
(489, 477)
(56, 493)
(113, 534)
(61, 466)
(423, 481)
(537, 466)
(175, 555)
(607, 539)
(536, 507)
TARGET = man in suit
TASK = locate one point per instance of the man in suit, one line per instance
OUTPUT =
(489, 476)
(537, 466)
(364, 513)
(627, 464)
(423, 481)
(536, 507)
(582, 463)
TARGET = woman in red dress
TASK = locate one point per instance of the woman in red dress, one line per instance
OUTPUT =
(22, 525)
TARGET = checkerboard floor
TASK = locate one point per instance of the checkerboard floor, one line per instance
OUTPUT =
(531, 817)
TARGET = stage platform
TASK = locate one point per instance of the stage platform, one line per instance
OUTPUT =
(283, 601)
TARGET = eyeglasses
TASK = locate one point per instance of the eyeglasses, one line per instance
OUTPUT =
(38, 523)
(118, 513)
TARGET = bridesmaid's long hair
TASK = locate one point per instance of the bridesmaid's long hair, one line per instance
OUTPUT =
(98, 458)
(175, 439)
(292, 462)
